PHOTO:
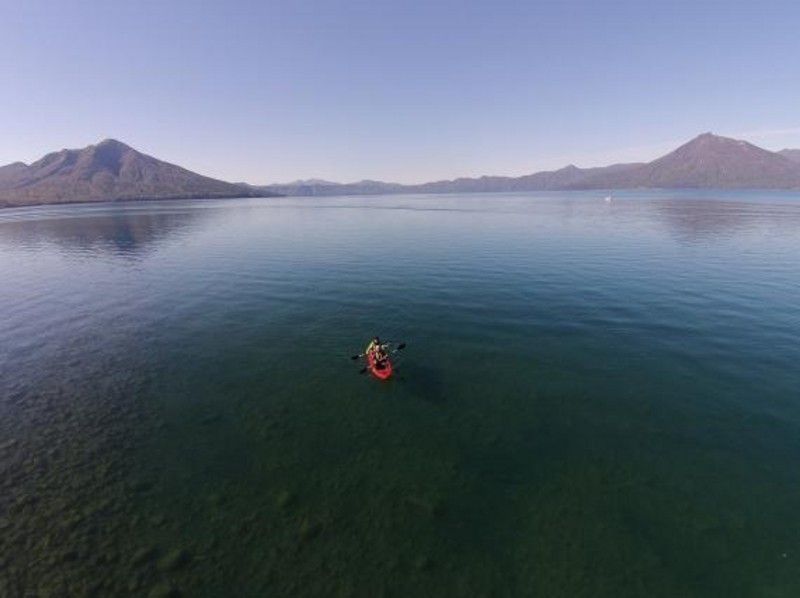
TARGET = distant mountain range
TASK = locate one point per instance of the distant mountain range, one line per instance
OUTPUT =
(111, 170)
(707, 161)
(108, 171)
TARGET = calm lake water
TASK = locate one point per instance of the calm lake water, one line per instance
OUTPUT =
(597, 398)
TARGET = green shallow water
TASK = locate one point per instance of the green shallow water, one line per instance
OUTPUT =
(597, 399)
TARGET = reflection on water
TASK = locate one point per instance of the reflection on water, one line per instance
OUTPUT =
(597, 398)
(113, 230)
(128, 229)
(698, 220)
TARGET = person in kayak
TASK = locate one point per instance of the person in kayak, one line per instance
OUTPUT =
(378, 351)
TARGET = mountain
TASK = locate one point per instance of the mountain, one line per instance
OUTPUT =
(112, 170)
(792, 154)
(569, 177)
(10, 172)
(707, 161)
(108, 171)
(318, 187)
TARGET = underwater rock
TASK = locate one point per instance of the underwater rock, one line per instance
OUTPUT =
(135, 583)
(9, 444)
(175, 559)
(143, 555)
(424, 563)
(246, 526)
(97, 560)
(309, 530)
(24, 500)
(285, 499)
(211, 419)
(140, 486)
(164, 590)
(434, 508)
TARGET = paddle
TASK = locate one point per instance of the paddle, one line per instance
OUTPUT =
(360, 355)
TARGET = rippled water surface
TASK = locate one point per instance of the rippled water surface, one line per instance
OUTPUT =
(597, 398)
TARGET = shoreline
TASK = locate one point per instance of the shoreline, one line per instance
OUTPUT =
(398, 194)
(134, 199)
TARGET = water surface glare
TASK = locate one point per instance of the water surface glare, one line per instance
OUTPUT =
(597, 398)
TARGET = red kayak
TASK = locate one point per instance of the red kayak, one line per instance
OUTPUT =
(381, 370)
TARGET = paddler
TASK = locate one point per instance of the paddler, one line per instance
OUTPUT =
(377, 349)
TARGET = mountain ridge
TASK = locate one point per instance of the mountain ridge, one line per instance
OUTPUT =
(108, 171)
(706, 161)
(113, 171)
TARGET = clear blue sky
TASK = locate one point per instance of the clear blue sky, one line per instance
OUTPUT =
(405, 90)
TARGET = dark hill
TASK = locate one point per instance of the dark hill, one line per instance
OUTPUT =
(107, 171)
(710, 161)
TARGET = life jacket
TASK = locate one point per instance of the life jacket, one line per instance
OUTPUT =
(373, 347)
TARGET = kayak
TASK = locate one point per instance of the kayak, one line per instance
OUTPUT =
(382, 371)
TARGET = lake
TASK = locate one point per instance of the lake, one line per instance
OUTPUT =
(597, 398)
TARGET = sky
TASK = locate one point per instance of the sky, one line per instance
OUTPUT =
(405, 91)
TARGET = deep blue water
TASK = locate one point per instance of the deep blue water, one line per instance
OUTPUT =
(596, 398)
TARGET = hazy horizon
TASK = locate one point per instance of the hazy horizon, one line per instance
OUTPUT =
(349, 91)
